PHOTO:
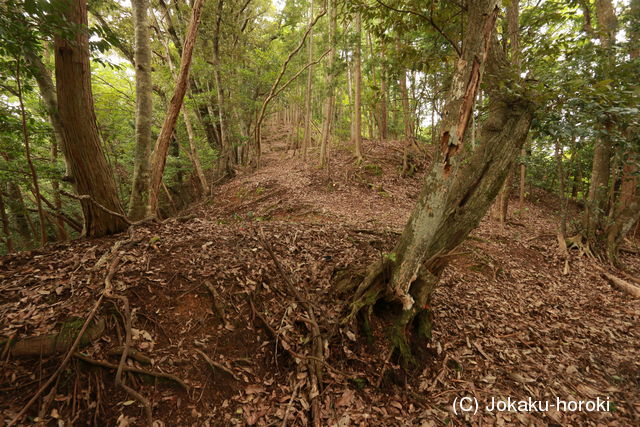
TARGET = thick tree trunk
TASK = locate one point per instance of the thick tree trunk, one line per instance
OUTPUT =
(330, 100)
(168, 127)
(462, 182)
(357, 83)
(89, 168)
(144, 111)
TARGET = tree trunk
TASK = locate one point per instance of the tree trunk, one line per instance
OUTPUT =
(48, 94)
(461, 184)
(408, 137)
(225, 160)
(6, 230)
(308, 116)
(27, 148)
(329, 102)
(15, 203)
(627, 208)
(144, 111)
(597, 201)
(384, 114)
(89, 168)
(513, 12)
(193, 153)
(168, 126)
(357, 83)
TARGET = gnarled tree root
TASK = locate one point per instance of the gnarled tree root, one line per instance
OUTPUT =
(373, 297)
(582, 244)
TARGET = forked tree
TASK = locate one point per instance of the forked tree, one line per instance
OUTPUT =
(460, 187)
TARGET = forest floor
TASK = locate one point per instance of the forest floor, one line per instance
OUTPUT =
(215, 283)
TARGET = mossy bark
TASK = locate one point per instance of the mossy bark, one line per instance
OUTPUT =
(459, 189)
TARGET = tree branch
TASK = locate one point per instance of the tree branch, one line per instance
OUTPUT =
(428, 19)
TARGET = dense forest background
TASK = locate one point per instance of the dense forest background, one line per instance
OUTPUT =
(257, 61)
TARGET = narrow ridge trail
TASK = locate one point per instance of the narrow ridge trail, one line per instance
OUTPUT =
(507, 322)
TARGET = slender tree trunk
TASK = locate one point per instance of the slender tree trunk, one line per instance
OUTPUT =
(357, 77)
(168, 127)
(27, 148)
(6, 229)
(55, 185)
(408, 137)
(330, 100)
(461, 185)
(225, 161)
(596, 206)
(48, 93)
(513, 12)
(308, 112)
(384, 114)
(139, 198)
(90, 170)
(193, 153)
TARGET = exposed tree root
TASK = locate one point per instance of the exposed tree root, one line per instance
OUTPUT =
(107, 365)
(582, 244)
(317, 343)
(66, 359)
(623, 285)
(373, 297)
(215, 366)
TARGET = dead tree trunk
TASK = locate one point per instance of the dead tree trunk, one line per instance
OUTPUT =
(168, 127)
(460, 186)
(91, 172)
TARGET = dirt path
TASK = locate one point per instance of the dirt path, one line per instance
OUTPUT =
(507, 322)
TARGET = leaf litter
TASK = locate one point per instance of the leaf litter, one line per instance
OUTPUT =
(507, 321)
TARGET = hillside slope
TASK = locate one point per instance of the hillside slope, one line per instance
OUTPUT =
(205, 286)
